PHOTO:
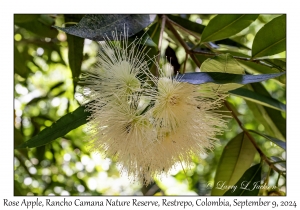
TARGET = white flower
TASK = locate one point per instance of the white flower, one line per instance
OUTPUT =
(185, 122)
(148, 129)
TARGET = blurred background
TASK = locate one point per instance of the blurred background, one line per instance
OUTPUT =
(44, 92)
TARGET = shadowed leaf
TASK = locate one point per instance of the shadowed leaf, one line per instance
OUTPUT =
(75, 53)
(96, 27)
(58, 129)
(276, 141)
(258, 98)
(273, 114)
(197, 78)
(236, 158)
(246, 186)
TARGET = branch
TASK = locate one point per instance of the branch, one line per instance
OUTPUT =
(182, 42)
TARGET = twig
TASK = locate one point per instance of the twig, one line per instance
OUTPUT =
(184, 29)
(162, 28)
(262, 155)
(182, 42)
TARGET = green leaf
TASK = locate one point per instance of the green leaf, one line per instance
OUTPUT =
(56, 86)
(224, 26)
(258, 98)
(100, 27)
(274, 115)
(39, 28)
(20, 64)
(153, 51)
(22, 18)
(246, 186)
(253, 68)
(75, 53)
(224, 63)
(58, 129)
(271, 38)
(277, 63)
(236, 158)
(192, 26)
(144, 39)
(197, 78)
(276, 141)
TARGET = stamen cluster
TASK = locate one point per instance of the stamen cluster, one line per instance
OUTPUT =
(147, 123)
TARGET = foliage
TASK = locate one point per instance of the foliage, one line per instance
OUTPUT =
(241, 54)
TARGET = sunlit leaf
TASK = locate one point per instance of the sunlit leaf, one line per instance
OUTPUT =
(236, 158)
(271, 38)
(224, 26)
(98, 27)
(249, 183)
(258, 98)
(58, 129)
(223, 63)
(280, 143)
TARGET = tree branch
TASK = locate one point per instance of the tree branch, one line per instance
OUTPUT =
(182, 42)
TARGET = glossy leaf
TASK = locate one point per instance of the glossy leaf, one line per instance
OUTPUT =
(58, 129)
(100, 27)
(246, 186)
(271, 38)
(236, 158)
(258, 98)
(75, 53)
(224, 26)
(276, 141)
(197, 78)
(223, 63)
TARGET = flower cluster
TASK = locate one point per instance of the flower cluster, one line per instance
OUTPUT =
(147, 123)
